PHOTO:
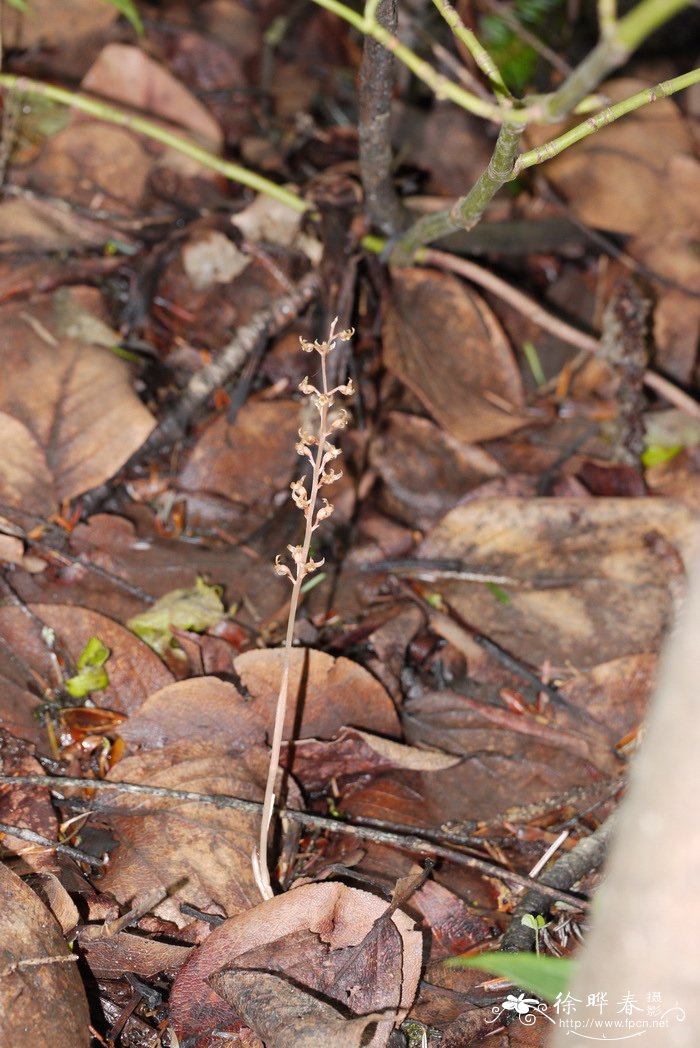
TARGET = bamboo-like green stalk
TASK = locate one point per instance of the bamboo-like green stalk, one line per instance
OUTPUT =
(607, 18)
(113, 115)
(600, 120)
(467, 211)
(478, 52)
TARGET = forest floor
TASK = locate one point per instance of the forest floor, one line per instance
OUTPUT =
(507, 551)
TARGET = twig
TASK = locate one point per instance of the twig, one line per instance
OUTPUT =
(587, 855)
(538, 315)
(411, 842)
(36, 838)
(467, 211)
(550, 149)
(376, 82)
(155, 131)
(607, 18)
(263, 324)
(478, 52)
(528, 37)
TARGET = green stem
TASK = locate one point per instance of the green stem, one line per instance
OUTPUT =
(607, 18)
(467, 211)
(608, 116)
(642, 20)
(113, 115)
(622, 39)
(478, 52)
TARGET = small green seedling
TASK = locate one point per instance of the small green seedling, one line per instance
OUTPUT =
(530, 921)
(91, 675)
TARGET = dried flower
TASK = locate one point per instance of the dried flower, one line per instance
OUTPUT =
(319, 450)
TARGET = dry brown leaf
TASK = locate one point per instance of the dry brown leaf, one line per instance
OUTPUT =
(249, 460)
(110, 956)
(198, 853)
(134, 670)
(424, 471)
(282, 1014)
(335, 693)
(325, 938)
(131, 77)
(47, 998)
(47, 23)
(68, 411)
(615, 179)
(638, 176)
(89, 160)
(444, 342)
(356, 753)
(32, 226)
(598, 589)
(26, 807)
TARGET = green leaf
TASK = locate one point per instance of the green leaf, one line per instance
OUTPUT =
(91, 675)
(129, 10)
(657, 453)
(19, 5)
(196, 609)
(543, 975)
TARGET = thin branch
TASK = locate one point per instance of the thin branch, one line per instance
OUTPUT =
(538, 315)
(506, 15)
(478, 52)
(440, 85)
(411, 842)
(467, 211)
(114, 115)
(36, 838)
(586, 855)
(594, 123)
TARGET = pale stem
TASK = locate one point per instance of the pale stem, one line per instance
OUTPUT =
(607, 18)
(260, 863)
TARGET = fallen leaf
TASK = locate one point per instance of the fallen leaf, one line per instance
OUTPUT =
(282, 1014)
(134, 670)
(444, 342)
(46, 24)
(615, 179)
(355, 753)
(324, 938)
(40, 988)
(199, 853)
(110, 956)
(196, 609)
(423, 470)
(131, 77)
(67, 408)
(26, 807)
(249, 460)
(595, 589)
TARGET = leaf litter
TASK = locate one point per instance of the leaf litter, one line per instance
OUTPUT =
(472, 672)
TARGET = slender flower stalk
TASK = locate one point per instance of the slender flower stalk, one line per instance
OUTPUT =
(320, 452)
